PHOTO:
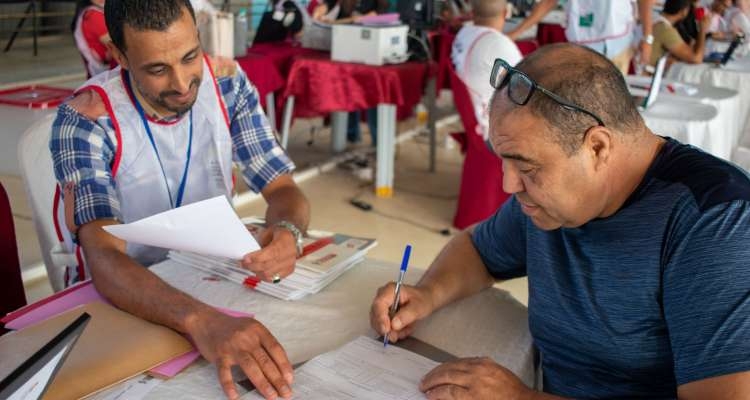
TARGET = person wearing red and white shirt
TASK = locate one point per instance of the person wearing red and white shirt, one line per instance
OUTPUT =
(91, 36)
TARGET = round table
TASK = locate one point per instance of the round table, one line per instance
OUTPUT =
(720, 136)
(734, 75)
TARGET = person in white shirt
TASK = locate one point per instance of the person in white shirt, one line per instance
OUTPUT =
(203, 6)
(719, 28)
(606, 27)
(475, 49)
(739, 17)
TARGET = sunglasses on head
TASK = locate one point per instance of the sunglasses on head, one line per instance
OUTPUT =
(521, 87)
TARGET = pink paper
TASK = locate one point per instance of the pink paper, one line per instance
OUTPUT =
(84, 293)
(170, 368)
(380, 19)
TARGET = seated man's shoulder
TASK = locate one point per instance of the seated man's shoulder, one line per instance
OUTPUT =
(711, 180)
(89, 104)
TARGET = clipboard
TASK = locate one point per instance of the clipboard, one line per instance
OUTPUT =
(33, 377)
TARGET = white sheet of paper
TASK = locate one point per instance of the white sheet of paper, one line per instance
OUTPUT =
(360, 370)
(136, 388)
(208, 227)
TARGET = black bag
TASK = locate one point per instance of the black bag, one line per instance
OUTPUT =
(278, 24)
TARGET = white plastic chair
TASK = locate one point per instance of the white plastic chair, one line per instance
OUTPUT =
(39, 179)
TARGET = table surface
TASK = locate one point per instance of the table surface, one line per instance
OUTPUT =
(491, 323)
(734, 76)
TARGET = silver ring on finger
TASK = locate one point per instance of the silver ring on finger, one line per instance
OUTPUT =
(276, 278)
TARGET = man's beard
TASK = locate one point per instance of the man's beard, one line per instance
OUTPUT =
(161, 99)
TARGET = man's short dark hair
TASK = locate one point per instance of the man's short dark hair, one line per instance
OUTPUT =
(142, 15)
(585, 78)
(673, 7)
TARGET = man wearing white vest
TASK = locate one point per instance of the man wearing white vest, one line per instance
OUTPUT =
(604, 26)
(474, 51)
(160, 132)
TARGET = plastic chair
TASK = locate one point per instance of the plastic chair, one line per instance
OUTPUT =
(39, 178)
(12, 295)
(481, 192)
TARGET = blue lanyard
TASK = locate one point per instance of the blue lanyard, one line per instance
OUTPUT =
(183, 182)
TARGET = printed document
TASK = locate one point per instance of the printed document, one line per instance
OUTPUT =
(361, 369)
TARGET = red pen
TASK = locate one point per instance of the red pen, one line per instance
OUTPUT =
(670, 88)
(251, 282)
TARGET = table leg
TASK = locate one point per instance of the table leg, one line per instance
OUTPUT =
(287, 121)
(431, 116)
(385, 150)
(339, 121)
(34, 24)
(271, 109)
(19, 26)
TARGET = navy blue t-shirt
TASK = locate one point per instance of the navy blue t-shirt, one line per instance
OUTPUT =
(653, 297)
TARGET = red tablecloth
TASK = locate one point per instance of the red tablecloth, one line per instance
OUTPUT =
(550, 33)
(281, 54)
(262, 73)
(321, 86)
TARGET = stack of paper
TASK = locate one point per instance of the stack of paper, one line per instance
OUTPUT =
(324, 260)
(209, 236)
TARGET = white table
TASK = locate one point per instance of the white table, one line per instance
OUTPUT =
(491, 323)
(735, 75)
(697, 124)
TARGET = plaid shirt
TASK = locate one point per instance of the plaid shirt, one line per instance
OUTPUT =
(83, 150)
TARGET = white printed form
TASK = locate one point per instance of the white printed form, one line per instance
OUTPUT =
(361, 369)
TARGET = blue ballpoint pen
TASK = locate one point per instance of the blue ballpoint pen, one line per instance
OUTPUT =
(401, 273)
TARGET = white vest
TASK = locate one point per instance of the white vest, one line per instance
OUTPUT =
(591, 21)
(470, 61)
(139, 183)
(94, 64)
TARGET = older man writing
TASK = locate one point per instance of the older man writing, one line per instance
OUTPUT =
(634, 245)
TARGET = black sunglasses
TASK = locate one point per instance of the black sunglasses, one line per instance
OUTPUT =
(521, 87)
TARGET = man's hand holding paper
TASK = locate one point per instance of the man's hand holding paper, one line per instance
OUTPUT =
(276, 257)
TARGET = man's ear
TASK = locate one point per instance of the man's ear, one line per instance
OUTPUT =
(118, 55)
(600, 144)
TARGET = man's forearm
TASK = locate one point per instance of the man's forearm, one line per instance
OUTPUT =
(289, 204)
(645, 11)
(700, 47)
(537, 14)
(456, 273)
(134, 288)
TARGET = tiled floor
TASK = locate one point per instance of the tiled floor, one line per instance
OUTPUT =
(423, 205)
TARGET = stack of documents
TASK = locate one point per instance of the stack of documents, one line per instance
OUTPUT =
(325, 258)
(208, 235)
